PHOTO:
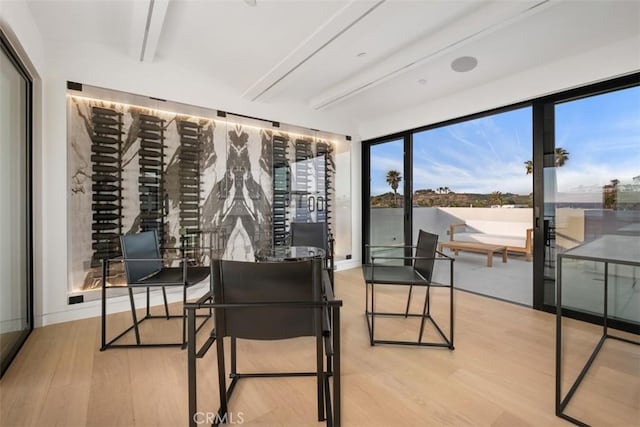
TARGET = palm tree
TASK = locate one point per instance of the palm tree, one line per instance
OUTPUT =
(529, 166)
(393, 179)
(496, 198)
(561, 156)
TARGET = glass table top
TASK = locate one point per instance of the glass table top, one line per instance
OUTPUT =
(289, 253)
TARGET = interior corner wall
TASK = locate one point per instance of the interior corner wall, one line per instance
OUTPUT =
(18, 24)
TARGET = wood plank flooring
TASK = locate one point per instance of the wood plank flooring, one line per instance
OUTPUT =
(500, 374)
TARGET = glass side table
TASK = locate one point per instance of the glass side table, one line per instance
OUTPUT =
(606, 250)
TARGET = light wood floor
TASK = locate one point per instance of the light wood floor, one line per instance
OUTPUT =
(500, 374)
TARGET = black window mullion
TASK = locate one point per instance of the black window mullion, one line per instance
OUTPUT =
(366, 197)
(540, 111)
(408, 194)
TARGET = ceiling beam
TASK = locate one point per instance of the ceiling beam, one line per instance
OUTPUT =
(341, 21)
(147, 19)
(482, 21)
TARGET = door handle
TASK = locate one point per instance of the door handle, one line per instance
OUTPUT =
(311, 203)
(320, 203)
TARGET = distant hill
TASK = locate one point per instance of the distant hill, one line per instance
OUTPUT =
(429, 198)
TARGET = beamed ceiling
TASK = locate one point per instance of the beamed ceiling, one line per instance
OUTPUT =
(357, 59)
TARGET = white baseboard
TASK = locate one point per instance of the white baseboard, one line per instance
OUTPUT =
(348, 263)
(117, 304)
(11, 325)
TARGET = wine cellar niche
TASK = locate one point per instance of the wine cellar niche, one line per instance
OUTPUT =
(222, 185)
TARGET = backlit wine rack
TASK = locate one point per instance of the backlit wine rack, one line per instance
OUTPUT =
(189, 155)
(151, 180)
(324, 168)
(304, 205)
(106, 163)
(281, 190)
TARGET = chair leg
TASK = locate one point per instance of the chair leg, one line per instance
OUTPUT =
(148, 303)
(191, 368)
(233, 353)
(372, 313)
(222, 383)
(366, 298)
(320, 377)
(134, 316)
(425, 312)
(103, 320)
(166, 305)
(337, 366)
(331, 269)
(184, 316)
(406, 312)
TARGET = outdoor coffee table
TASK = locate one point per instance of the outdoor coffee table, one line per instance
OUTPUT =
(476, 247)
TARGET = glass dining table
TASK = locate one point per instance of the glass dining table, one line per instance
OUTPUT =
(288, 253)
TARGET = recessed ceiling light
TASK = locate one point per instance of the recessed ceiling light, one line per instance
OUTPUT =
(250, 2)
(422, 81)
(464, 64)
(361, 54)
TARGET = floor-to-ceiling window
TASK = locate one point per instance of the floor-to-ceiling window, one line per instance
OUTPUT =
(567, 163)
(472, 183)
(591, 190)
(16, 318)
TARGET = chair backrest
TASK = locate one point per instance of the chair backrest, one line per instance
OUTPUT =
(309, 234)
(426, 247)
(237, 282)
(141, 246)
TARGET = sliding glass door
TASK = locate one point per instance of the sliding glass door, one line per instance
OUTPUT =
(472, 186)
(16, 319)
(538, 178)
(592, 192)
(385, 197)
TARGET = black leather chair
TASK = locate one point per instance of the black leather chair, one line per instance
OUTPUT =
(144, 268)
(314, 234)
(415, 271)
(271, 301)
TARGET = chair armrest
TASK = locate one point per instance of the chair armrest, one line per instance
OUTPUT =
(452, 228)
(150, 259)
(390, 246)
(326, 286)
(443, 257)
(204, 298)
(270, 304)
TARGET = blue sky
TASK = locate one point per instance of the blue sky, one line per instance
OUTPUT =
(601, 133)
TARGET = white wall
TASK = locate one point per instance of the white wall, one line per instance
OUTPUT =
(18, 24)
